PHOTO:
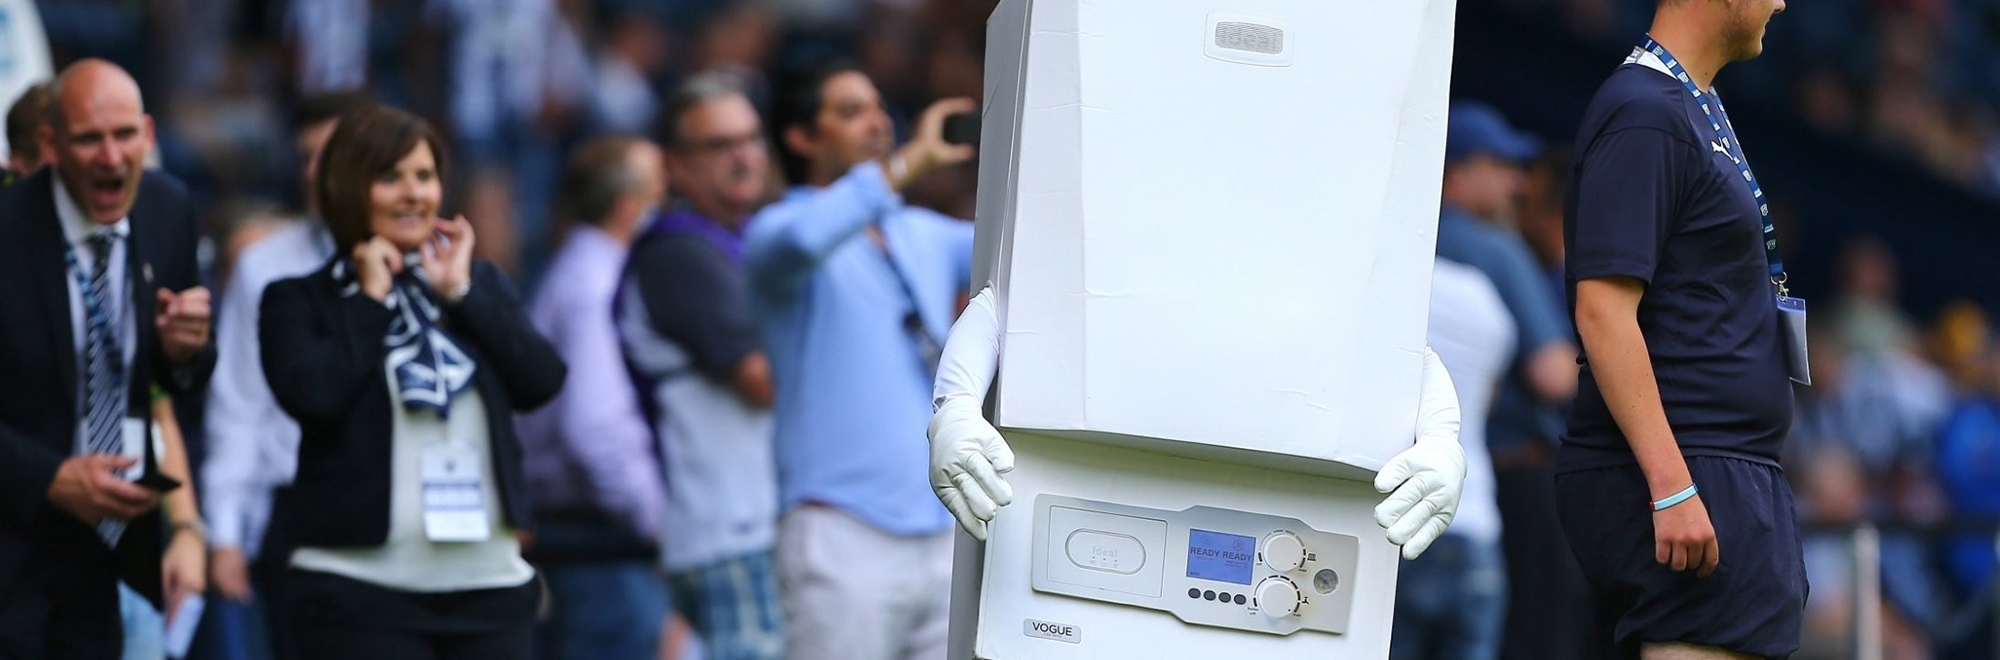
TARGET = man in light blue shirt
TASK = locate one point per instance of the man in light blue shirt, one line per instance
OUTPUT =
(855, 292)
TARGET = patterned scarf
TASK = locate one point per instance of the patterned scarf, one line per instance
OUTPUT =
(429, 366)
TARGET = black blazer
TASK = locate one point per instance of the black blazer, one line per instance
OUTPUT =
(323, 354)
(38, 379)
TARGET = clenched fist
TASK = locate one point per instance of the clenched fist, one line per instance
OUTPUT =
(182, 319)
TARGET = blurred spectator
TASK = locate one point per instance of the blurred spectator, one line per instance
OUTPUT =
(1483, 177)
(854, 292)
(692, 344)
(518, 74)
(492, 204)
(24, 60)
(1860, 448)
(593, 479)
(739, 37)
(184, 563)
(329, 40)
(24, 119)
(1957, 343)
(241, 224)
(1867, 318)
(1451, 603)
(1541, 214)
(1827, 100)
(1832, 495)
(633, 55)
(403, 365)
(253, 446)
(1968, 465)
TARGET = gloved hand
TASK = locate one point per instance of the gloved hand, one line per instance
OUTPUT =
(1427, 478)
(968, 456)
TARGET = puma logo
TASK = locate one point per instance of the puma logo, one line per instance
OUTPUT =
(1721, 147)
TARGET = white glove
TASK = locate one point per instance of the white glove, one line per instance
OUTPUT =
(968, 456)
(1426, 478)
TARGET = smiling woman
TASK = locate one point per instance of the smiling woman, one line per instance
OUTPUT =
(381, 175)
(403, 361)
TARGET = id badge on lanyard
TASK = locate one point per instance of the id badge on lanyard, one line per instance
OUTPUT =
(1791, 311)
(453, 494)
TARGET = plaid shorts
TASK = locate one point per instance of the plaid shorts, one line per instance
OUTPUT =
(733, 605)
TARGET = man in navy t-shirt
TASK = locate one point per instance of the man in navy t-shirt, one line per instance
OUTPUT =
(1668, 483)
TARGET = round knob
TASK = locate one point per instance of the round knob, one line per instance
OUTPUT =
(1284, 552)
(1277, 597)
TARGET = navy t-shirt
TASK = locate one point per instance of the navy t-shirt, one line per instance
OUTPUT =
(1653, 196)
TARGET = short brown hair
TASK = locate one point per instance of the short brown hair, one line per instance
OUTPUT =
(599, 173)
(25, 118)
(366, 143)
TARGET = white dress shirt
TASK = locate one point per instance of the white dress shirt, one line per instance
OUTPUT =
(1473, 334)
(77, 230)
(253, 446)
(408, 560)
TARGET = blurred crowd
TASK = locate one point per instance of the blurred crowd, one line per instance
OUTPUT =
(545, 106)
(514, 84)
(1917, 79)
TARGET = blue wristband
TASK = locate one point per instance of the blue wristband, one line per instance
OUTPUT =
(1674, 499)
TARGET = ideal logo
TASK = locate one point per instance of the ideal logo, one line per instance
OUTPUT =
(1061, 632)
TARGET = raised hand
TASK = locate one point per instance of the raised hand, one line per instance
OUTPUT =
(927, 149)
(376, 263)
(447, 258)
(182, 320)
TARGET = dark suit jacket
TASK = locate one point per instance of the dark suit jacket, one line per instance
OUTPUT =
(323, 356)
(38, 360)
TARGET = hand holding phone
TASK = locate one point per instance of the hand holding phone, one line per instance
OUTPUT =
(158, 482)
(962, 128)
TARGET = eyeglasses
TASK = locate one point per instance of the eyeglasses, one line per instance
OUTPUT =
(724, 144)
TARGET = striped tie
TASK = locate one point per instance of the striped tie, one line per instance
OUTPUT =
(104, 381)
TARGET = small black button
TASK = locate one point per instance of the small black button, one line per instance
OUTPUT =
(1208, 595)
(1239, 599)
(1194, 593)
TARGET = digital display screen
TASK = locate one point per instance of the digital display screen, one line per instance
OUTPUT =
(1220, 557)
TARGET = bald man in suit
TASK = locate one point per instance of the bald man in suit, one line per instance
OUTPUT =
(99, 284)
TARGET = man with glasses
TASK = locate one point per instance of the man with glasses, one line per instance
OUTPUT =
(690, 338)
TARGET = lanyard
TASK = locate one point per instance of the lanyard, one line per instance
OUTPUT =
(1718, 120)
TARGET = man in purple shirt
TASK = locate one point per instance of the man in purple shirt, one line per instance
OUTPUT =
(593, 480)
(691, 345)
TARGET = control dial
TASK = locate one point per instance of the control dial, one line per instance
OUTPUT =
(1277, 597)
(1284, 552)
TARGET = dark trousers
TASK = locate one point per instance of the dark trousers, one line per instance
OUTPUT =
(268, 573)
(1450, 602)
(336, 618)
(607, 598)
(64, 606)
(1549, 608)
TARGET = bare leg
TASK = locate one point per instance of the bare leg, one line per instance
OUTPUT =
(1679, 651)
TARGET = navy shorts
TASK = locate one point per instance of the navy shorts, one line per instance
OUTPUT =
(1755, 601)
